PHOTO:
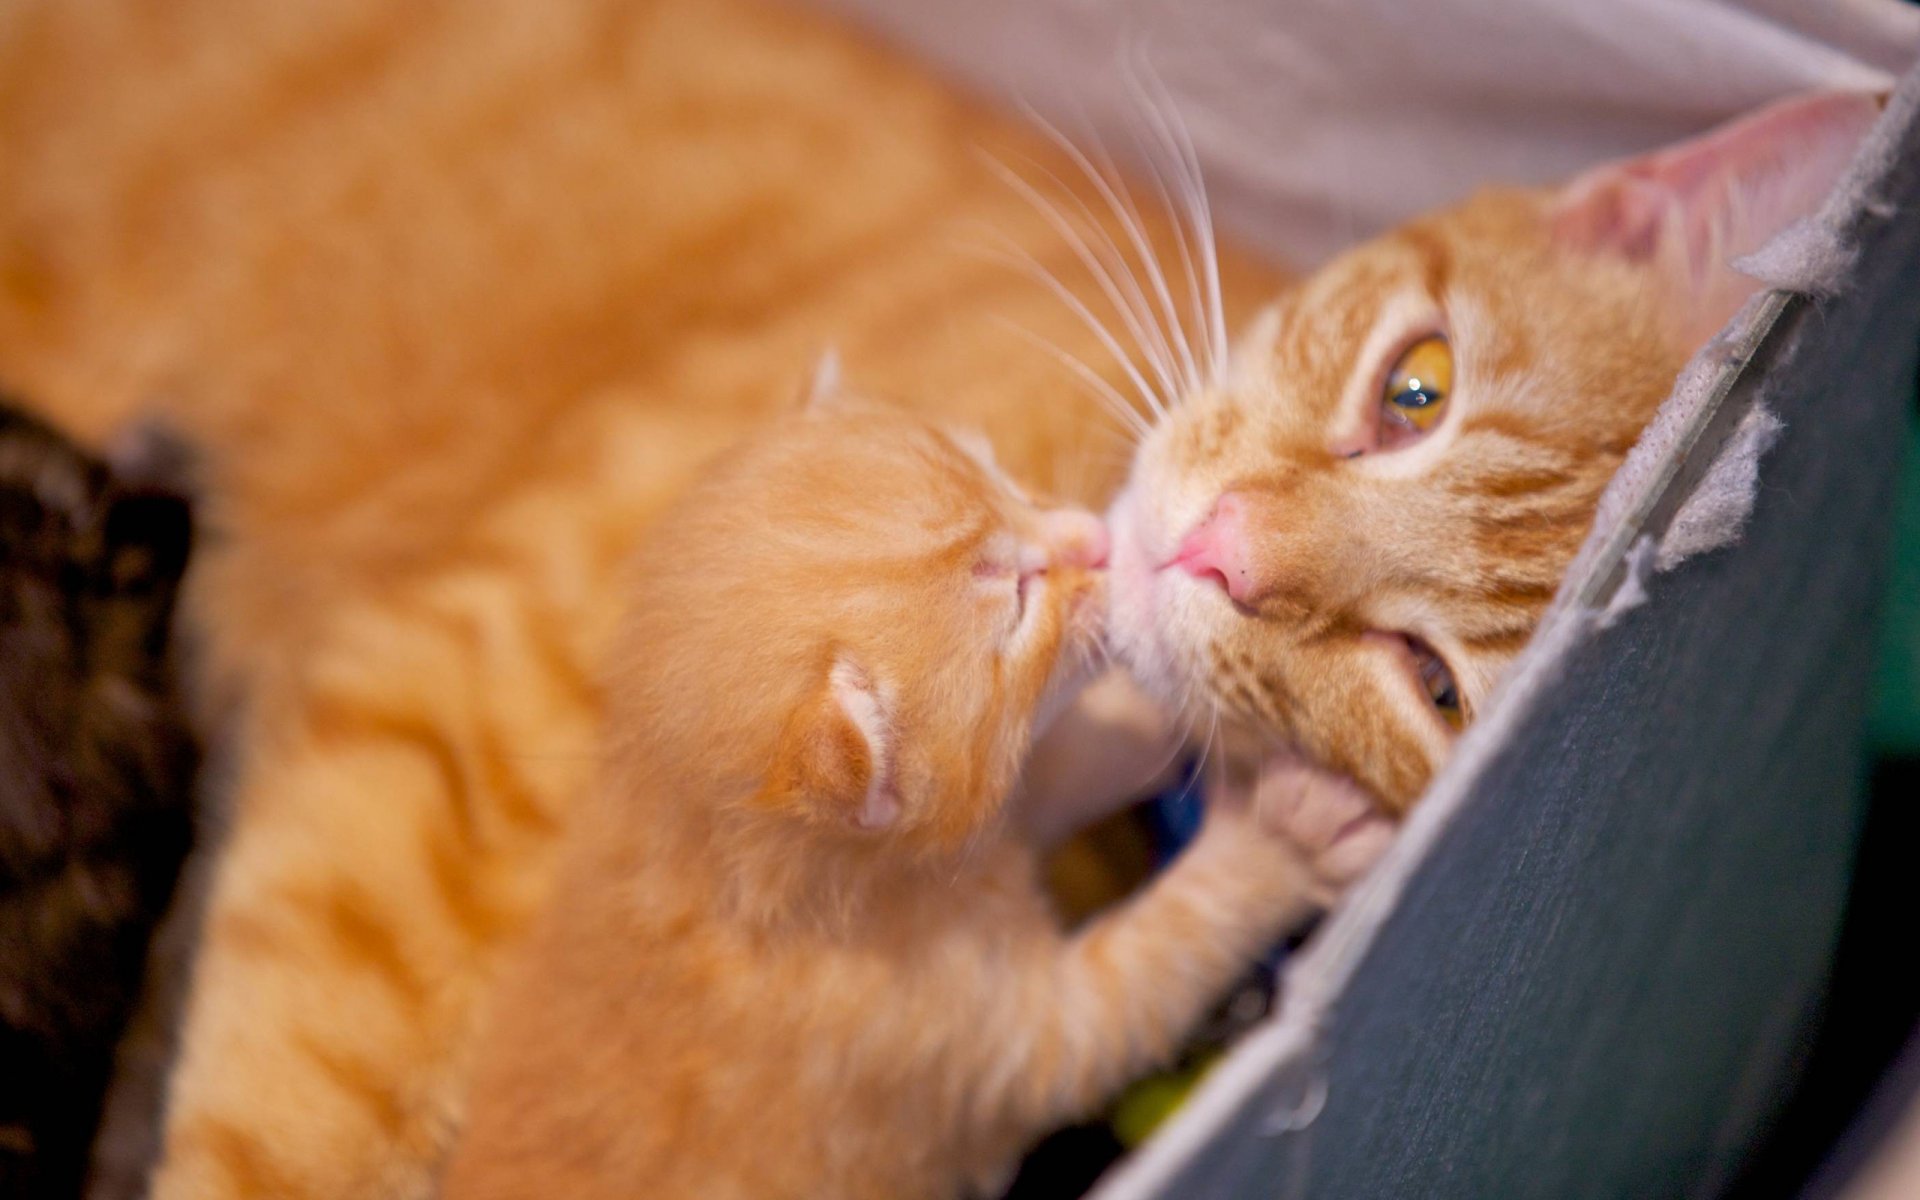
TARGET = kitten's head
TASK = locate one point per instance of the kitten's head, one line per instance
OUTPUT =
(859, 621)
(1346, 540)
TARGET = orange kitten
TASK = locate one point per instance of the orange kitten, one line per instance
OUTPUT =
(795, 950)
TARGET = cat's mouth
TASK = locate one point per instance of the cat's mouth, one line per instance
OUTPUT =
(1434, 679)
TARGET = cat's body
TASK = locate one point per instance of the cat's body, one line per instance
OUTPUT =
(454, 296)
(97, 761)
(799, 947)
(417, 279)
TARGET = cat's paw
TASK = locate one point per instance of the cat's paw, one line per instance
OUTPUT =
(1330, 822)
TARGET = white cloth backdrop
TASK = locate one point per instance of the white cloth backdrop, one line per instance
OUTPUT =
(1320, 121)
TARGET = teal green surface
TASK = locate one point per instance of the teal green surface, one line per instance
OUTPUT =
(1895, 726)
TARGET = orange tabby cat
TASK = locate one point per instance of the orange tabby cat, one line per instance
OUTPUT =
(795, 949)
(1346, 535)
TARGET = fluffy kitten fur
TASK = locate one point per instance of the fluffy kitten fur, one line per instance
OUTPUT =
(96, 767)
(796, 949)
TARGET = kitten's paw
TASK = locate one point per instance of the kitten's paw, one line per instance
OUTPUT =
(1331, 822)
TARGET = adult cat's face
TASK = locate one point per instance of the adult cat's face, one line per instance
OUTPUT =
(1345, 539)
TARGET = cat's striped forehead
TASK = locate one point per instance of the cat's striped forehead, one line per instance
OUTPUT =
(1322, 324)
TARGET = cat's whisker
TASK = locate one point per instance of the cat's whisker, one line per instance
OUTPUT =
(1200, 765)
(1183, 714)
(1025, 262)
(1105, 655)
(1117, 446)
(1164, 114)
(1195, 302)
(1166, 168)
(1191, 321)
(1097, 466)
(1177, 139)
(1103, 275)
(1113, 189)
(1106, 393)
(1115, 274)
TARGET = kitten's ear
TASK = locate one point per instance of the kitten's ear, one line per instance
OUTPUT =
(833, 760)
(823, 386)
(1692, 208)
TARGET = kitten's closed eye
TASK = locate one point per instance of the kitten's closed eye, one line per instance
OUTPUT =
(1067, 538)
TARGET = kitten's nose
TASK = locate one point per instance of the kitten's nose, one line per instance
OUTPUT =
(1215, 550)
(1076, 538)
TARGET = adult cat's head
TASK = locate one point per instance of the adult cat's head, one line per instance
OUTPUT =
(1346, 539)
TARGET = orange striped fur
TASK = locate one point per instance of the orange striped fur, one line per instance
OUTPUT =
(455, 294)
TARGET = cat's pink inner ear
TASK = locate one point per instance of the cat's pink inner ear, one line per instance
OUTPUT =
(865, 712)
(1694, 207)
(833, 761)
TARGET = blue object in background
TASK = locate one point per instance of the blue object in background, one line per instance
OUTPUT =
(1173, 817)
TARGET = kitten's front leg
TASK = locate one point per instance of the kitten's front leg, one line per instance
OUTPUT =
(1131, 986)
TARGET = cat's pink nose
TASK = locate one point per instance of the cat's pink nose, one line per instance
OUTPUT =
(1215, 550)
(1075, 538)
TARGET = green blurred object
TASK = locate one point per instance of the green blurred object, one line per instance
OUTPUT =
(1894, 730)
(1143, 1107)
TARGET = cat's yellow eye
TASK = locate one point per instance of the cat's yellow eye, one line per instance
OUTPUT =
(1416, 389)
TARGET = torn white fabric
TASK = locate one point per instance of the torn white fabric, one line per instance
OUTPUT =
(1809, 257)
(1717, 509)
(1632, 592)
(1712, 517)
(1663, 446)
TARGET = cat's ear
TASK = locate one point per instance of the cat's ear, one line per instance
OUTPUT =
(1692, 208)
(835, 754)
(824, 384)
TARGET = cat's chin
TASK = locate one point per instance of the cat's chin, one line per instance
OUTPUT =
(1070, 678)
(1138, 610)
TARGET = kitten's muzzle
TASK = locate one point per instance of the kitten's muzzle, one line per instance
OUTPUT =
(1075, 538)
